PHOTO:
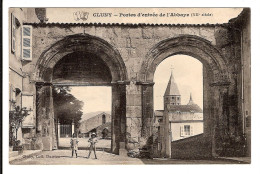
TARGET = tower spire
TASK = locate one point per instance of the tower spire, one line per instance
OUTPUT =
(191, 100)
(172, 94)
(171, 69)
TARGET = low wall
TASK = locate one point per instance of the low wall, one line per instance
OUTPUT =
(195, 147)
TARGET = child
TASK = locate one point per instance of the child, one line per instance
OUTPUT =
(74, 145)
(92, 141)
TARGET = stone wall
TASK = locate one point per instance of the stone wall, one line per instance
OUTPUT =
(195, 147)
(93, 122)
(241, 28)
(132, 42)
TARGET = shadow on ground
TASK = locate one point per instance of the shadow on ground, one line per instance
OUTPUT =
(189, 161)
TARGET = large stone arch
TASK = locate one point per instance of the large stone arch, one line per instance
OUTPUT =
(83, 43)
(43, 78)
(216, 82)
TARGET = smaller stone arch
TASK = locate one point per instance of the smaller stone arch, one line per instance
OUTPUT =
(190, 45)
(215, 84)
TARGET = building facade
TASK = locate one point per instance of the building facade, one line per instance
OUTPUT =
(99, 124)
(129, 54)
(19, 93)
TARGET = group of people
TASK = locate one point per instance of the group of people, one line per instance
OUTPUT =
(92, 140)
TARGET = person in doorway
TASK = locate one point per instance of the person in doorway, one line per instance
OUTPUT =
(74, 145)
(93, 141)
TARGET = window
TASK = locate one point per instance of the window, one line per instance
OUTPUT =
(186, 130)
(27, 42)
(103, 119)
(13, 28)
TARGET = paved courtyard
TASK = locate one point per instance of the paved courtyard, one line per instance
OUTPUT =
(63, 157)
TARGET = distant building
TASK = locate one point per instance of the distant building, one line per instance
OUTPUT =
(100, 124)
(183, 120)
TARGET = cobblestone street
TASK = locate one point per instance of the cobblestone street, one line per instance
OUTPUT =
(63, 157)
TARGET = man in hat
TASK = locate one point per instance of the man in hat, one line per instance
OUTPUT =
(74, 145)
(93, 140)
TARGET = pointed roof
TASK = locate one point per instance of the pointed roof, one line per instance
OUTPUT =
(191, 102)
(172, 88)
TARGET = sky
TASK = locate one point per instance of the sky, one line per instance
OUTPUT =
(188, 75)
(95, 98)
(187, 72)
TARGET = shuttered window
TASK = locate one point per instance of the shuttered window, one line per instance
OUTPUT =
(13, 29)
(27, 42)
(186, 130)
(182, 131)
(191, 130)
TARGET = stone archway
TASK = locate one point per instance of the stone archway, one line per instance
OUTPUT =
(194, 46)
(83, 43)
(44, 81)
(216, 81)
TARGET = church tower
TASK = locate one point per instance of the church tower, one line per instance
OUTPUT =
(172, 94)
(191, 101)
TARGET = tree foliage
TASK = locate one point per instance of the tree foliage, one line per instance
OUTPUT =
(16, 118)
(67, 108)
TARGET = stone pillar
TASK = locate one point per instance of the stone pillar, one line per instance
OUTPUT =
(133, 115)
(147, 110)
(207, 112)
(72, 129)
(167, 133)
(118, 118)
(219, 116)
(58, 131)
(45, 116)
(147, 115)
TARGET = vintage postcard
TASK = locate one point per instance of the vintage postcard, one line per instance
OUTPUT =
(129, 86)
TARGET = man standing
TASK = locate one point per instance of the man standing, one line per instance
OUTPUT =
(93, 140)
(74, 145)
